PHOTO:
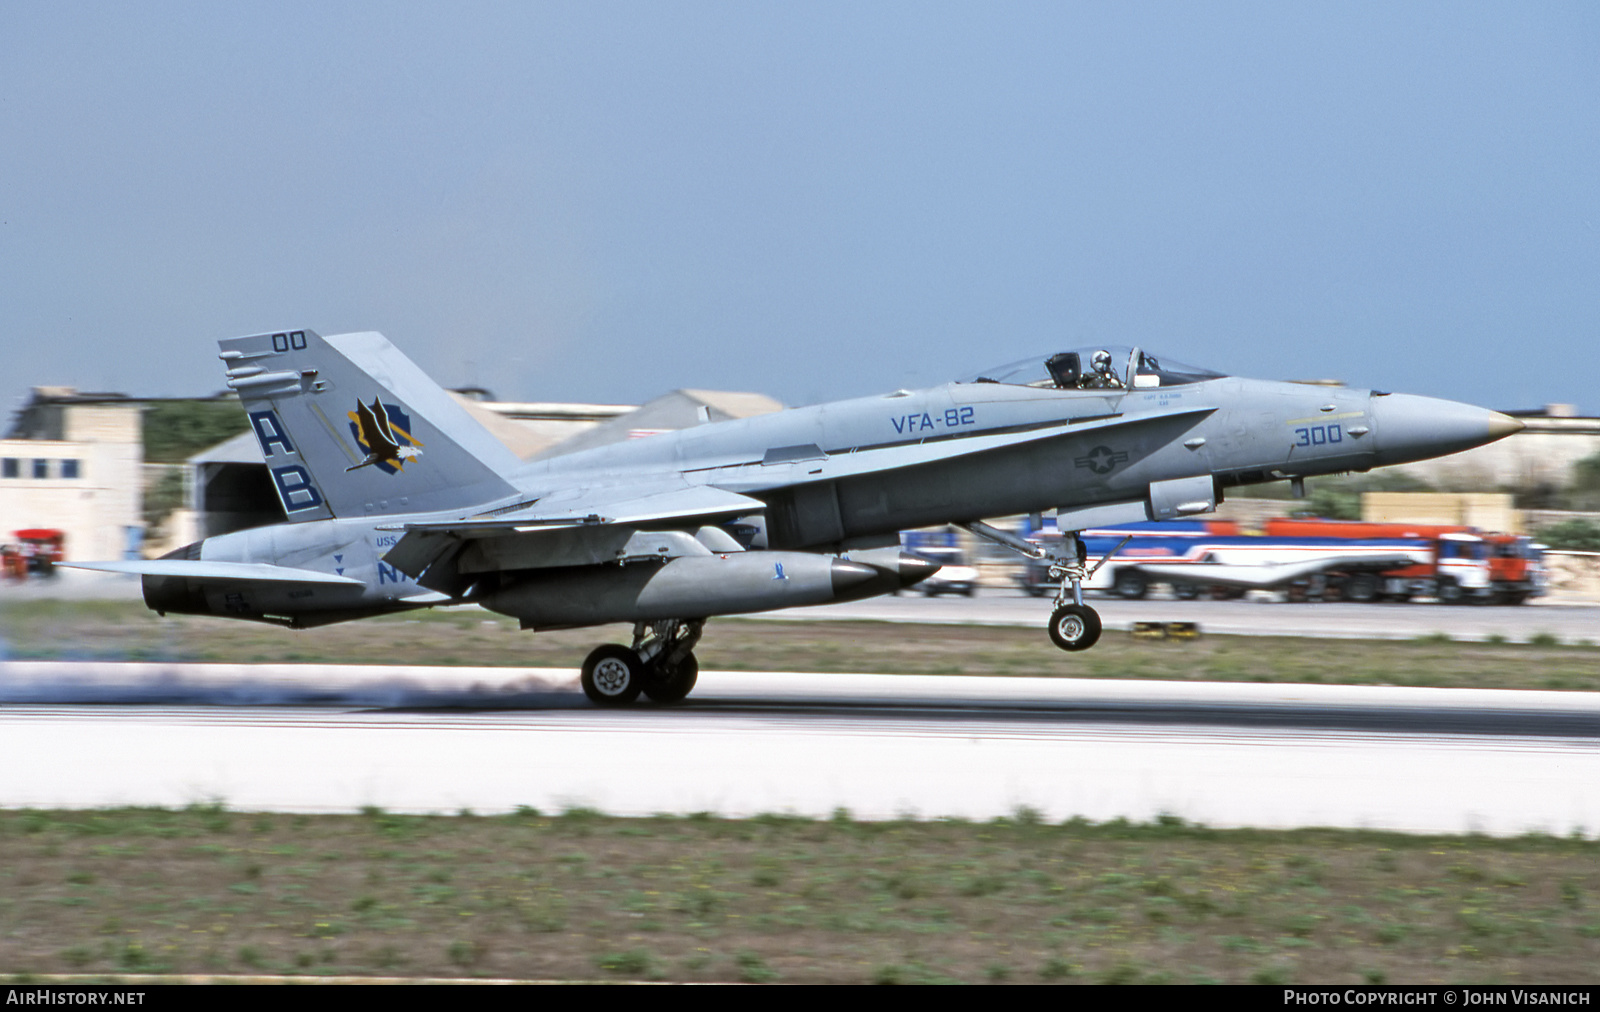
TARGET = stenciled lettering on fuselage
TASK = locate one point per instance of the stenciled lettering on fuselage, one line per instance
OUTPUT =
(386, 573)
(295, 488)
(395, 425)
(1328, 430)
(1102, 459)
(389, 574)
(931, 421)
(1317, 435)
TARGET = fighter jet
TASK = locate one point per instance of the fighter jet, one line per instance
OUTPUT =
(640, 531)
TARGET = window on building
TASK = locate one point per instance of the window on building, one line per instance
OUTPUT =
(10, 467)
(69, 469)
(41, 468)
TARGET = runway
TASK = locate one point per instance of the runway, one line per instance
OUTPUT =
(1568, 622)
(490, 740)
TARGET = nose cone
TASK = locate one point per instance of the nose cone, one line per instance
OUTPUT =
(1418, 428)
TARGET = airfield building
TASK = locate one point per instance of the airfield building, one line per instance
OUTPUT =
(73, 462)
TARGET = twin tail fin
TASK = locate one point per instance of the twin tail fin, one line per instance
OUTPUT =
(350, 427)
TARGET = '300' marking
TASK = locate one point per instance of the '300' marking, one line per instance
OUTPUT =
(1318, 435)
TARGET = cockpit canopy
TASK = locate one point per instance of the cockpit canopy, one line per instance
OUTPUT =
(1111, 367)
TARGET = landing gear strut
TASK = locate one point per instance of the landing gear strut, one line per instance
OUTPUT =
(1073, 624)
(661, 664)
(667, 651)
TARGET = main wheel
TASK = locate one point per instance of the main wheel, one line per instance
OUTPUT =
(1449, 591)
(1185, 591)
(672, 686)
(1075, 627)
(1131, 584)
(612, 675)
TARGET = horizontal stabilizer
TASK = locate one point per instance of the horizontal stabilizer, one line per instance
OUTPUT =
(250, 572)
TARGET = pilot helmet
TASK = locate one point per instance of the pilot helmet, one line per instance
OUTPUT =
(1101, 360)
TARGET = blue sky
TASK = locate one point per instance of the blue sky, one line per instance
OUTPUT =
(603, 201)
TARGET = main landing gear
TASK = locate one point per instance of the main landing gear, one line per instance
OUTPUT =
(1073, 624)
(660, 664)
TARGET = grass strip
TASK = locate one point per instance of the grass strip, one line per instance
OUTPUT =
(580, 895)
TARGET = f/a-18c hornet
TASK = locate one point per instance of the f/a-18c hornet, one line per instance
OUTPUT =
(380, 472)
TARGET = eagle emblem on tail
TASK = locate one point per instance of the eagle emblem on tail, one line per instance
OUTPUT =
(376, 434)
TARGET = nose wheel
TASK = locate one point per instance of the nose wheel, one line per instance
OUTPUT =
(1073, 624)
(1075, 627)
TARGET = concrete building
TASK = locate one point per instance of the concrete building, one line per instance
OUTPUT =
(73, 462)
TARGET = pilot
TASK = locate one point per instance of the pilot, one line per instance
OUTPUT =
(1101, 377)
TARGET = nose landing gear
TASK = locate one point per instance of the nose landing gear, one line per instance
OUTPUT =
(1073, 624)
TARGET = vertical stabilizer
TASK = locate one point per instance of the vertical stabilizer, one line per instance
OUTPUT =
(350, 427)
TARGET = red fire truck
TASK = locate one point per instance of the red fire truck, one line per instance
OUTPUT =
(1465, 564)
(1311, 559)
(34, 553)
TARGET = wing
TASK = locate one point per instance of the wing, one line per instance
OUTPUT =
(599, 522)
(586, 527)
